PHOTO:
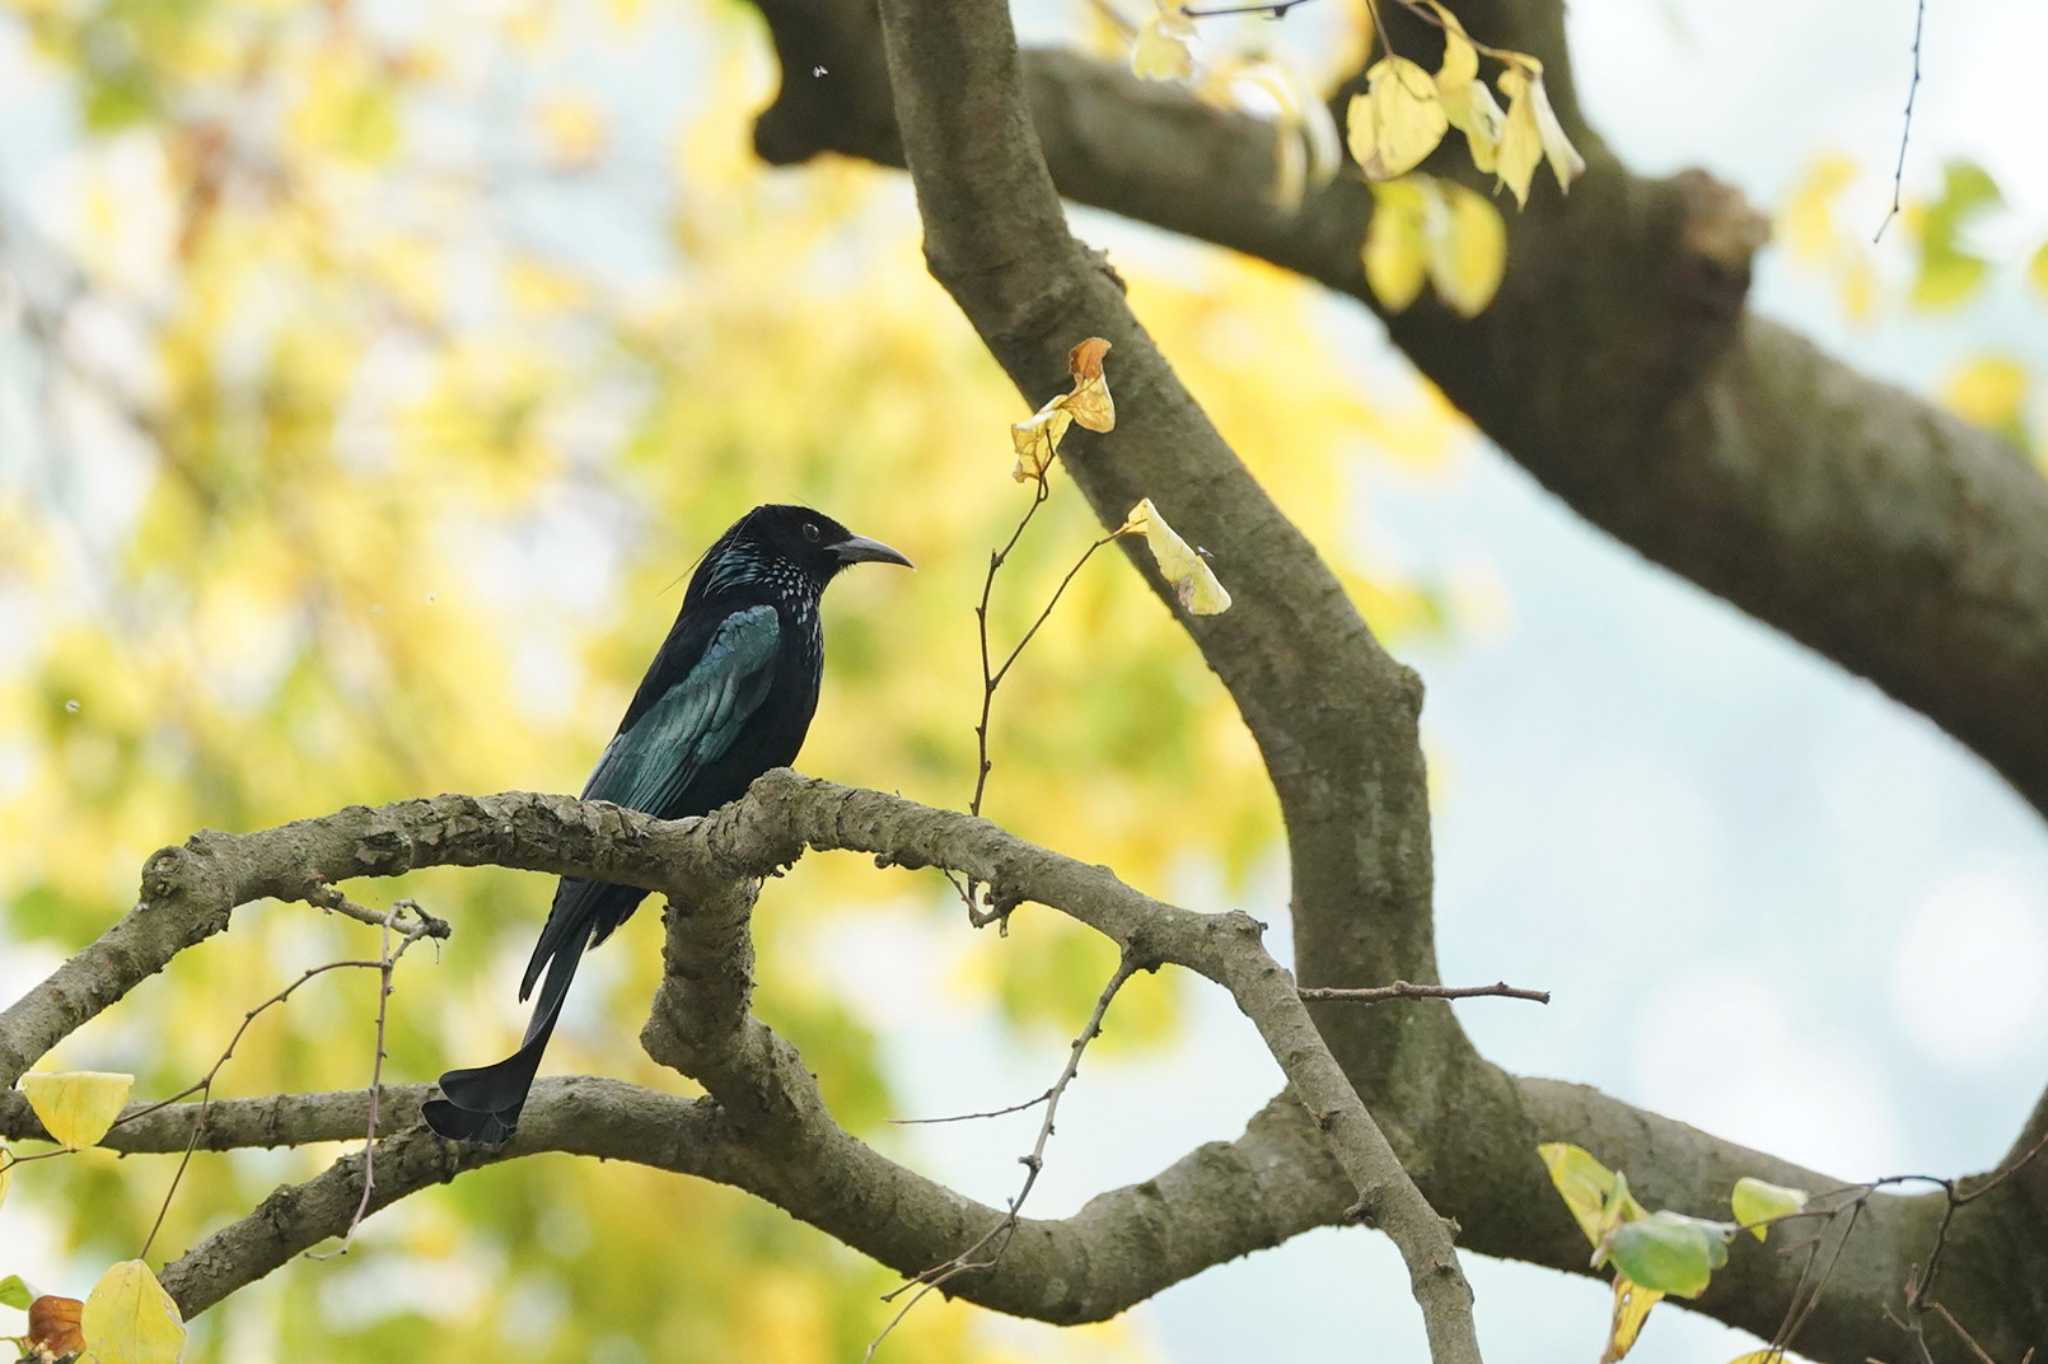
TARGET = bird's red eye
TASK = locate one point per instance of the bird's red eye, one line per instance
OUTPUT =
(811, 531)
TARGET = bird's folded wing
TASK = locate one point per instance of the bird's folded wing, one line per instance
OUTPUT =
(650, 766)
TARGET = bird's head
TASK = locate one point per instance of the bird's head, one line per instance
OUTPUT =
(785, 548)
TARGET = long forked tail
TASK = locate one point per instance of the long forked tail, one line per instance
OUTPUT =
(483, 1104)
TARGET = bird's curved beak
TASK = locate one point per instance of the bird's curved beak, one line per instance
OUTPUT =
(861, 550)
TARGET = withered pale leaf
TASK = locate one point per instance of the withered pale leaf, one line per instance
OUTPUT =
(1193, 582)
(53, 1325)
(1090, 401)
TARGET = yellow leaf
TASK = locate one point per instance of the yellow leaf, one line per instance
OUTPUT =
(1037, 438)
(1199, 592)
(6, 1170)
(1632, 1304)
(2037, 270)
(129, 1319)
(1468, 249)
(1468, 105)
(1586, 1186)
(1520, 147)
(1090, 402)
(1565, 162)
(77, 1107)
(1807, 222)
(1461, 60)
(1988, 391)
(1397, 121)
(1532, 127)
(1161, 53)
(1395, 252)
(1473, 112)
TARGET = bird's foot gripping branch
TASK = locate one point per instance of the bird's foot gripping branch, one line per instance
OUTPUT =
(1313, 1156)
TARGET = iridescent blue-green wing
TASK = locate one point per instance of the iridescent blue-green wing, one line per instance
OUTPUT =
(651, 764)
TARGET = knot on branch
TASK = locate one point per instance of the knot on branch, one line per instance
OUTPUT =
(1719, 234)
(191, 878)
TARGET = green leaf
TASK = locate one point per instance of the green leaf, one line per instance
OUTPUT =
(1948, 274)
(1756, 1202)
(15, 1293)
(1670, 1252)
(1947, 278)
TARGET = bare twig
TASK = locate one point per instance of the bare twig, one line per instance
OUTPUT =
(1905, 132)
(388, 963)
(1957, 1327)
(204, 1087)
(1040, 491)
(992, 676)
(969, 1117)
(1001, 1233)
(424, 925)
(1401, 989)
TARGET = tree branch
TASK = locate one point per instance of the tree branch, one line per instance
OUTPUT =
(1617, 365)
(996, 238)
(1220, 1201)
(765, 1127)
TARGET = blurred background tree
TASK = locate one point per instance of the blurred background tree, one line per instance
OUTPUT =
(374, 378)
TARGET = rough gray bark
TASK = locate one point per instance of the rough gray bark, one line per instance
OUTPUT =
(1618, 366)
(764, 1126)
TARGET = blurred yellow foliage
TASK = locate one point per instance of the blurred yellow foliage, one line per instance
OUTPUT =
(426, 439)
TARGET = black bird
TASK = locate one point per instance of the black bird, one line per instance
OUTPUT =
(729, 696)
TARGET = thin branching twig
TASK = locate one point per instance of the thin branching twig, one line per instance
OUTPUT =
(970, 1117)
(423, 925)
(1401, 989)
(1905, 132)
(987, 1252)
(992, 676)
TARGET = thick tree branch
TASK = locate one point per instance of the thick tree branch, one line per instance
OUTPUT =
(767, 1129)
(1220, 1201)
(1617, 365)
(996, 238)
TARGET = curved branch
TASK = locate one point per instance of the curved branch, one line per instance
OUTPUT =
(1220, 1201)
(1118, 1250)
(765, 1127)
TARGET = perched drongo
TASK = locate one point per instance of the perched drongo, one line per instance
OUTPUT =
(728, 697)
